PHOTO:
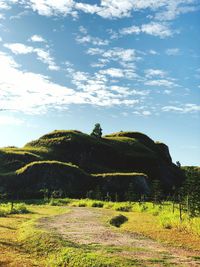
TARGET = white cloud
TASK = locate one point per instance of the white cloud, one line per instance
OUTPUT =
(176, 8)
(173, 51)
(10, 120)
(122, 56)
(88, 8)
(113, 72)
(108, 9)
(35, 93)
(18, 48)
(153, 28)
(149, 73)
(52, 7)
(42, 55)
(119, 73)
(83, 39)
(29, 92)
(161, 82)
(187, 108)
(153, 52)
(146, 113)
(37, 38)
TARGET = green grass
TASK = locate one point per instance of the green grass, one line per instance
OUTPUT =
(46, 162)
(116, 174)
(76, 257)
(16, 208)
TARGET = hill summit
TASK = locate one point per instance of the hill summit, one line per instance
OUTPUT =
(77, 163)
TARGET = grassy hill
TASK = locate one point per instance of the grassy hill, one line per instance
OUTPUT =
(60, 158)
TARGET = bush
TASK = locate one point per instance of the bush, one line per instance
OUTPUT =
(20, 209)
(59, 202)
(97, 204)
(82, 204)
(123, 207)
(118, 220)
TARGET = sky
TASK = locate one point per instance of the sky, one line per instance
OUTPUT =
(131, 65)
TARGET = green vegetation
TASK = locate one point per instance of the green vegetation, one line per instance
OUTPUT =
(190, 191)
(49, 249)
(97, 131)
(120, 166)
(126, 172)
(10, 208)
(118, 220)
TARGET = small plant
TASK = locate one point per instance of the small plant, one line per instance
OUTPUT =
(123, 207)
(118, 220)
(20, 209)
(82, 204)
(97, 204)
(143, 208)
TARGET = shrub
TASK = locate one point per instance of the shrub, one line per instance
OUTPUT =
(59, 202)
(143, 208)
(20, 209)
(108, 205)
(97, 204)
(123, 207)
(118, 220)
(82, 204)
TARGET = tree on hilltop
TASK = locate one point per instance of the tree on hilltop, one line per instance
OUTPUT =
(97, 131)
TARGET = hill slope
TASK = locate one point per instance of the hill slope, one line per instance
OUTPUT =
(123, 152)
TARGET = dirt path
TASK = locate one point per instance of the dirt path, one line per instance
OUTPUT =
(87, 226)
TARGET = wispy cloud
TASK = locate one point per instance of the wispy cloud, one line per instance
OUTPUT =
(119, 73)
(37, 38)
(152, 28)
(173, 52)
(125, 57)
(108, 9)
(42, 55)
(153, 52)
(85, 38)
(161, 82)
(149, 73)
(53, 8)
(35, 93)
(186, 108)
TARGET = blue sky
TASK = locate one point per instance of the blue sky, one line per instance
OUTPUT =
(128, 64)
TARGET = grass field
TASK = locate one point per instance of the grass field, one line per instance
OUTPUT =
(24, 243)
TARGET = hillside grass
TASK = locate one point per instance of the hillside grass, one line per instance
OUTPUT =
(12, 158)
(47, 162)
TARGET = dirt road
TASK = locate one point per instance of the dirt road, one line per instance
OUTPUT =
(89, 226)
